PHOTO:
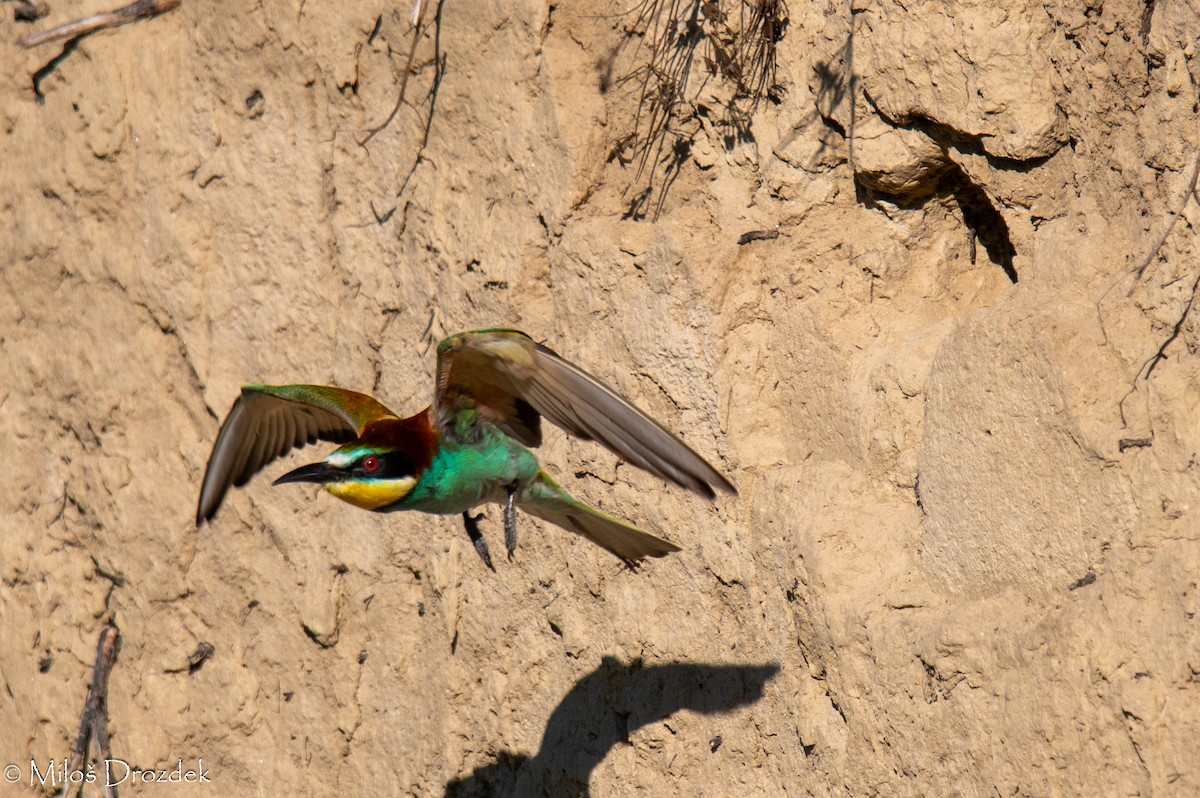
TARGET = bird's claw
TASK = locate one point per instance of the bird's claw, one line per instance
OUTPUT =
(510, 522)
(477, 539)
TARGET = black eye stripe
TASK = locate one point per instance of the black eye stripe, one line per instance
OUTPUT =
(393, 465)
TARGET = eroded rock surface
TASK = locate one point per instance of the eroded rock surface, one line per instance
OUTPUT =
(965, 553)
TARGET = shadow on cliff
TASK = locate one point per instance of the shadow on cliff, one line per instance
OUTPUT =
(837, 82)
(602, 710)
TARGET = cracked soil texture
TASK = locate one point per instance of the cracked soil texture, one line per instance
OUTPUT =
(965, 553)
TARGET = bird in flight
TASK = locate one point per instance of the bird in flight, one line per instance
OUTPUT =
(470, 447)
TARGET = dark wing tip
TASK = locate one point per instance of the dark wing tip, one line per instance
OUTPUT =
(203, 515)
(207, 507)
(702, 479)
(663, 548)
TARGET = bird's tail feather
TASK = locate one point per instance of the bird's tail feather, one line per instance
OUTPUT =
(545, 499)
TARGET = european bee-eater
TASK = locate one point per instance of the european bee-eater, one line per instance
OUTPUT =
(468, 448)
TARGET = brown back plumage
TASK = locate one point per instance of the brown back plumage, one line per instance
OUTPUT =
(510, 379)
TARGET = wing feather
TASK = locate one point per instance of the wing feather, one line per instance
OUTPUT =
(599, 428)
(268, 421)
(630, 445)
(257, 452)
(286, 437)
(494, 371)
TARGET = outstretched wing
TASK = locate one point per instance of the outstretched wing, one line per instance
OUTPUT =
(511, 380)
(268, 421)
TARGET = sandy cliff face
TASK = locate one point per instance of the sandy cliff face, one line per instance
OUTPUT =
(964, 556)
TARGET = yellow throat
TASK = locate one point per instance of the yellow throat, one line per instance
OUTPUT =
(373, 494)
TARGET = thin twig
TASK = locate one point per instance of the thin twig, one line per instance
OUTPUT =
(418, 20)
(108, 19)
(439, 71)
(94, 723)
(1154, 250)
(1147, 368)
(1162, 239)
(735, 47)
(1161, 354)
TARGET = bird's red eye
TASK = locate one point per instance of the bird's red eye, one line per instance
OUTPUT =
(371, 464)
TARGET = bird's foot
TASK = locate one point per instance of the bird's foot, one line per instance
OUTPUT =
(510, 521)
(472, 524)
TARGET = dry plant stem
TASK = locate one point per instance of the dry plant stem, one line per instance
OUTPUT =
(1154, 250)
(735, 47)
(412, 53)
(1162, 239)
(674, 29)
(665, 77)
(108, 19)
(94, 723)
(1161, 354)
(439, 70)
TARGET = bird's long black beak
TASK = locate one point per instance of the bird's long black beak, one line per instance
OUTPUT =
(317, 472)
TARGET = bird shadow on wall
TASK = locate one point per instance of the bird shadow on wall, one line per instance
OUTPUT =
(602, 710)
